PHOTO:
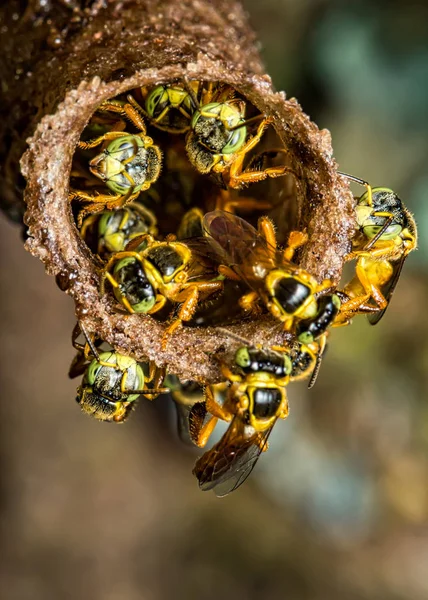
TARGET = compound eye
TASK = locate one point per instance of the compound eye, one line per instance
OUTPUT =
(154, 98)
(123, 148)
(105, 222)
(236, 141)
(92, 372)
(242, 357)
(306, 337)
(391, 232)
(336, 301)
(288, 365)
(145, 305)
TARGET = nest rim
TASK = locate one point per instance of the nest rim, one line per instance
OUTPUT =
(192, 353)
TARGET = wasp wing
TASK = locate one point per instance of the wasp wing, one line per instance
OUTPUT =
(388, 290)
(78, 365)
(228, 463)
(203, 262)
(240, 246)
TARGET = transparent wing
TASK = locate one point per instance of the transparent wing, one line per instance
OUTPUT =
(78, 365)
(388, 290)
(239, 246)
(228, 463)
(204, 262)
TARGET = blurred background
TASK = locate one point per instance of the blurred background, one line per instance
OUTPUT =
(338, 508)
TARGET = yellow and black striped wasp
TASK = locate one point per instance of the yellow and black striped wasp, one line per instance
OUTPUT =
(287, 291)
(255, 399)
(112, 382)
(386, 235)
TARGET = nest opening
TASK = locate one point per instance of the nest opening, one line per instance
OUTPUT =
(194, 350)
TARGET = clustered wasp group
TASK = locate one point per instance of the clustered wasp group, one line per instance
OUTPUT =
(163, 216)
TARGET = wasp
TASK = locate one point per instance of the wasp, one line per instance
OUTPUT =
(311, 335)
(191, 224)
(170, 107)
(185, 396)
(148, 273)
(386, 235)
(218, 143)
(112, 382)
(252, 256)
(128, 164)
(255, 399)
(115, 229)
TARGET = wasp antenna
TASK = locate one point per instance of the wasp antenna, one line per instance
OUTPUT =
(234, 336)
(255, 119)
(191, 92)
(353, 178)
(89, 341)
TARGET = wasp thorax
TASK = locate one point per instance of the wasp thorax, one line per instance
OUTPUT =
(308, 330)
(253, 360)
(134, 285)
(166, 260)
(266, 402)
(291, 294)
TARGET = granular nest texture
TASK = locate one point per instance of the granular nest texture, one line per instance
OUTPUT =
(103, 51)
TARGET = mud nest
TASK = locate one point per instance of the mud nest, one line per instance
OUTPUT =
(61, 62)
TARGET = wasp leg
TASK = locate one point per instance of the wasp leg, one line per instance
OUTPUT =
(217, 412)
(242, 203)
(236, 175)
(133, 113)
(385, 250)
(156, 377)
(295, 240)
(361, 182)
(325, 287)
(228, 273)
(131, 110)
(137, 241)
(110, 135)
(228, 374)
(138, 107)
(250, 303)
(190, 298)
(267, 230)
(103, 202)
(82, 196)
(201, 437)
(85, 226)
(358, 304)
(153, 392)
(80, 361)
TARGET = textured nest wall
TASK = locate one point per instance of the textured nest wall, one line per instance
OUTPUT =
(84, 56)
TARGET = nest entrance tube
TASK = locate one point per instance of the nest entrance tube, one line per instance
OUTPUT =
(142, 43)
